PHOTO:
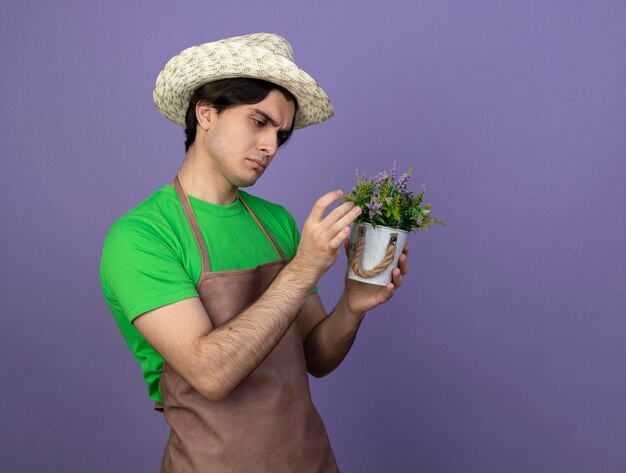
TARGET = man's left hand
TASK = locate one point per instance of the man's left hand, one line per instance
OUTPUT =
(361, 297)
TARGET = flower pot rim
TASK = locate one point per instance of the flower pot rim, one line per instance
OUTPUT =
(380, 226)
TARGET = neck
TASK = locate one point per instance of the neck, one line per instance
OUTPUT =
(203, 181)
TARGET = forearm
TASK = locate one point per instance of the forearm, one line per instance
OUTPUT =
(329, 342)
(229, 353)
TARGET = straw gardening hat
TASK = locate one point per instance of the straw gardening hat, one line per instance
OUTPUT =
(260, 56)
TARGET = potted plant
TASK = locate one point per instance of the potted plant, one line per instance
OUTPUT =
(390, 212)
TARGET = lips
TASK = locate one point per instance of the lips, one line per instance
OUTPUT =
(259, 162)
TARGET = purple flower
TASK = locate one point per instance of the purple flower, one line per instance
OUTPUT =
(362, 177)
(394, 169)
(380, 177)
(374, 208)
(403, 180)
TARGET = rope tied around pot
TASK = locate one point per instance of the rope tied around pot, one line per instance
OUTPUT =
(358, 253)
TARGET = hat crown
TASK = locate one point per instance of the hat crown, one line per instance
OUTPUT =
(274, 43)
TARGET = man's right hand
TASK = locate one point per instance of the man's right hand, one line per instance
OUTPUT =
(323, 236)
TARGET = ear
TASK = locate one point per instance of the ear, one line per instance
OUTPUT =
(204, 113)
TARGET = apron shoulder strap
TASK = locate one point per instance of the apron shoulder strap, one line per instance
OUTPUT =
(267, 233)
(193, 222)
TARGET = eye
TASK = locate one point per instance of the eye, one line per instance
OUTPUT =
(259, 123)
(282, 138)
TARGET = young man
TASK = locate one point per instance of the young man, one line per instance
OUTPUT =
(214, 289)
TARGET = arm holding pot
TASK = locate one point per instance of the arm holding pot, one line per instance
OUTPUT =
(328, 338)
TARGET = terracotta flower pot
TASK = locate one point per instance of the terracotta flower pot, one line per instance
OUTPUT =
(374, 252)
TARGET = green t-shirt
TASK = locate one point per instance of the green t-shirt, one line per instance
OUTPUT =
(150, 258)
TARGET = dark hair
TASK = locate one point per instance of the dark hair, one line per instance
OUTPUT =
(226, 93)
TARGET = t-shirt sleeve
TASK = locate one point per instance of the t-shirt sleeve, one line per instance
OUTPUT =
(141, 271)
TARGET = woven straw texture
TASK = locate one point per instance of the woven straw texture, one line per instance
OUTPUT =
(260, 56)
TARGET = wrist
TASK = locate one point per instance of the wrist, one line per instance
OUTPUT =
(298, 278)
(344, 306)
(304, 271)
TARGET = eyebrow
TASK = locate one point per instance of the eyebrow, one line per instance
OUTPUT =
(268, 118)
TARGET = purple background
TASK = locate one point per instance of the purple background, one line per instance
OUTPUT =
(503, 352)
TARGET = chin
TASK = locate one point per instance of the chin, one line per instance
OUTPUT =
(245, 182)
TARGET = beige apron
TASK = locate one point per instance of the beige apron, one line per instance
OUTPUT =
(268, 423)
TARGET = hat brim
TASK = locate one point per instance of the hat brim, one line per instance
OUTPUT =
(198, 65)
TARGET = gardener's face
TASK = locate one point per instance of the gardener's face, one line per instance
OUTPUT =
(242, 141)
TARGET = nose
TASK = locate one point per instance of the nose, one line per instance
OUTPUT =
(268, 143)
